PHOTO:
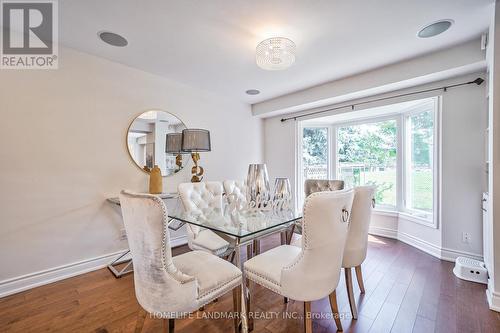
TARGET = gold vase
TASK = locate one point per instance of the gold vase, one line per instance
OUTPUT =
(155, 181)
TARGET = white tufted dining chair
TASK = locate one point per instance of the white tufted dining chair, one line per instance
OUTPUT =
(235, 189)
(313, 186)
(357, 240)
(312, 271)
(201, 199)
(319, 185)
(169, 287)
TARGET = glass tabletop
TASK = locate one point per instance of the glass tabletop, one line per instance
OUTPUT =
(237, 223)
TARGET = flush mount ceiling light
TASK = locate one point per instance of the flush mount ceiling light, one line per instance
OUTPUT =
(435, 28)
(275, 53)
(252, 92)
(112, 39)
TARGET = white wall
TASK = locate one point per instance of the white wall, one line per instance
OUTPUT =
(63, 135)
(463, 170)
(494, 157)
(464, 122)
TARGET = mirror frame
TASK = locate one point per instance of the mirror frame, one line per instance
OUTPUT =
(184, 162)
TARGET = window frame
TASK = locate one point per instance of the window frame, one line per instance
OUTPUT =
(421, 216)
(429, 219)
(300, 165)
(373, 120)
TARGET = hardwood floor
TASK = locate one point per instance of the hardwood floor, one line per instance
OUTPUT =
(406, 291)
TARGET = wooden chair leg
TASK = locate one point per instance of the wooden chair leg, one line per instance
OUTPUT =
(350, 292)
(141, 317)
(233, 255)
(359, 277)
(168, 325)
(308, 328)
(230, 257)
(237, 308)
(335, 310)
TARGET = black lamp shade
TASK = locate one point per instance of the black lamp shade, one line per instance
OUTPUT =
(195, 140)
(173, 143)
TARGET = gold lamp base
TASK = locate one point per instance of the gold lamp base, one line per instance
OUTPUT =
(178, 162)
(197, 171)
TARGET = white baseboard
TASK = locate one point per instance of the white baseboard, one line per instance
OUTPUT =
(384, 232)
(37, 279)
(451, 255)
(493, 297)
(420, 244)
(432, 249)
(32, 280)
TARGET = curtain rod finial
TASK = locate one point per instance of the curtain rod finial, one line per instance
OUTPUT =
(478, 81)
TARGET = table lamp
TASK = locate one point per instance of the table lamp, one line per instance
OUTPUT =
(194, 141)
(173, 145)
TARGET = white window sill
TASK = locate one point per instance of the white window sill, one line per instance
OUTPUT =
(406, 216)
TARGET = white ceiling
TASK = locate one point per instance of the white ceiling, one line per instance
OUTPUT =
(211, 44)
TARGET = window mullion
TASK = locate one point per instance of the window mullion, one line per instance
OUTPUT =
(400, 162)
(334, 153)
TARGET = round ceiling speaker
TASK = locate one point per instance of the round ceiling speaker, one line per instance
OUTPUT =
(112, 39)
(275, 53)
(252, 92)
(435, 28)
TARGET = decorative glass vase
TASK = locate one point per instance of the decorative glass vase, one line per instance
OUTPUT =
(258, 190)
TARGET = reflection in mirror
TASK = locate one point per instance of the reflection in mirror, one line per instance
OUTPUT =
(146, 140)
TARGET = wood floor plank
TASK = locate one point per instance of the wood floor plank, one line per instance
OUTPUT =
(406, 291)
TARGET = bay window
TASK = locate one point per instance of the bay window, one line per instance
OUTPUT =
(392, 147)
(419, 163)
(315, 152)
(367, 156)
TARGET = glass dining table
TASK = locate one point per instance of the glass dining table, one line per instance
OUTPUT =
(241, 228)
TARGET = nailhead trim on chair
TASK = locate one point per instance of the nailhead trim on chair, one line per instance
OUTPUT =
(277, 290)
(213, 290)
(176, 275)
(304, 233)
(304, 227)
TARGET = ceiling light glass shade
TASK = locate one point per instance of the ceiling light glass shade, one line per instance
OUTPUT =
(275, 53)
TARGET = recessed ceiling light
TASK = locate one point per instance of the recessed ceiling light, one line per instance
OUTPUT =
(252, 92)
(435, 28)
(112, 39)
(275, 53)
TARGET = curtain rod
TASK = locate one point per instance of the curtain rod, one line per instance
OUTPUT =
(477, 81)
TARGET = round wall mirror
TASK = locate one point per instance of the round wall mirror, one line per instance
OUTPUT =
(154, 138)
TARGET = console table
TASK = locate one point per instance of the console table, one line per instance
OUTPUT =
(173, 224)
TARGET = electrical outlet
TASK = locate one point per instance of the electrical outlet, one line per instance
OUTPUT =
(465, 237)
(123, 234)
